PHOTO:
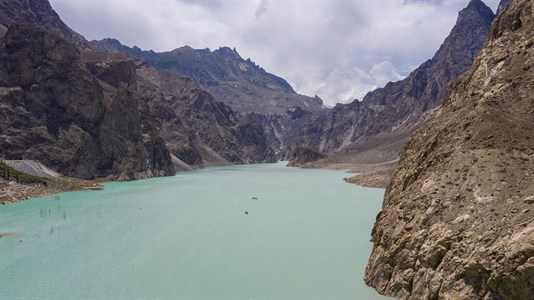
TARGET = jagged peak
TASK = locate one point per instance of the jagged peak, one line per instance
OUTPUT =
(228, 52)
(475, 16)
(475, 7)
(184, 48)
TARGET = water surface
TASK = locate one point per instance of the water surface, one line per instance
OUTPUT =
(196, 235)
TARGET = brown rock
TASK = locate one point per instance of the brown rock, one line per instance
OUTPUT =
(474, 237)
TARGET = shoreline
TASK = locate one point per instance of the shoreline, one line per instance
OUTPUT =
(367, 175)
(12, 192)
(373, 176)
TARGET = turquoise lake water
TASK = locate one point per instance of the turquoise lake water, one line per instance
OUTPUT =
(306, 236)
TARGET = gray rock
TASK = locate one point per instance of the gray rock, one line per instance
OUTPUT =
(55, 111)
(199, 130)
(386, 117)
(301, 156)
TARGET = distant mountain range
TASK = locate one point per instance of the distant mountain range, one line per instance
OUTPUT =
(239, 83)
(373, 130)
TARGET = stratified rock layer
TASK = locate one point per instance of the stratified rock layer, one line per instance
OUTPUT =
(458, 217)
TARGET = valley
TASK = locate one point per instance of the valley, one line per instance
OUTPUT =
(451, 143)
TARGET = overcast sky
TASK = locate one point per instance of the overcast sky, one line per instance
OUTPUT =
(336, 49)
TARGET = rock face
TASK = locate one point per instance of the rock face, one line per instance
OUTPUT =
(304, 155)
(87, 113)
(39, 13)
(199, 130)
(387, 116)
(55, 111)
(458, 217)
(502, 5)
(239, 83)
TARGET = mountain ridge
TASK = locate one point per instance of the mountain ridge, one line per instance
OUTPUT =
(239, 83)
(121, 132)
(233, 80)
(388, 115)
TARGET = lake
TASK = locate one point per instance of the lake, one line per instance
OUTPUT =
(196, 235)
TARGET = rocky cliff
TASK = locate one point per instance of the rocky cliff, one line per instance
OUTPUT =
(39, 13)
(56, 111)
(387, 116)
(457, 220)
(304, 155)
(87, 113)
(199, 130)
(502, 5)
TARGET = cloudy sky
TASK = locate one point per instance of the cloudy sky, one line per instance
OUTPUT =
(336, 49)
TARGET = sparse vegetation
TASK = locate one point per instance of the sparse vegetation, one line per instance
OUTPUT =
(30, 186)
(10, 174)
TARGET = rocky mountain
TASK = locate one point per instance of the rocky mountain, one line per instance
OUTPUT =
(54, 110)
(39, 13)
(458, 217)
(199, 130)
(88, 113)
(240, 83)
(386, 117)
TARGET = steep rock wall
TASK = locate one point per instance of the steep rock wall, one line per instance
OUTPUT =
(458, 217)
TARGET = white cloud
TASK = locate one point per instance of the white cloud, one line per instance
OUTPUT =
(384, 72)
(338, 50)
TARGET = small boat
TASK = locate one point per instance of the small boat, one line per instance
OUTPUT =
(254, 198)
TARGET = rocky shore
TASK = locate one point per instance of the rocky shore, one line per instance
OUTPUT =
(374, 176)
(11, 191)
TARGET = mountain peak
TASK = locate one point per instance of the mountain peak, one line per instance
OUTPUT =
(227, 52)
(466, 38)
(40, 13)
(474, 8)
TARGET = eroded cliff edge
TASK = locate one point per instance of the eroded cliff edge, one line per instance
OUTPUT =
(458, 216)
